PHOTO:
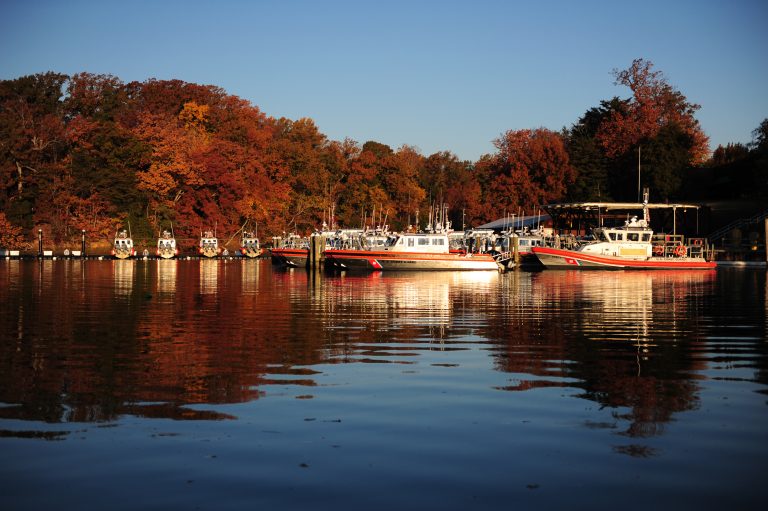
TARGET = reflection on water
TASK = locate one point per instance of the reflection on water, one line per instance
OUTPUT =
(166, 276)
(124, 273)
(499, 367)
(623, 337)
(209, 276)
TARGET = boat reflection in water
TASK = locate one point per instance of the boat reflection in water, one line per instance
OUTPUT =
(209, 276)
(166, 276)
(250, 277)
(400, 307)
(124, 270)
(623, 338)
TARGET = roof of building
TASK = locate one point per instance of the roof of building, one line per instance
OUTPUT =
(518, 222)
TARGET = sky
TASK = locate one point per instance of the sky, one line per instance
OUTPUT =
(435, 75)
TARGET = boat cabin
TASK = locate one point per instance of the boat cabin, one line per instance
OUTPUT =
(209, 245)
(429, 243)
(123, 246)
(166, 246)
(249, 245)
(632, 240)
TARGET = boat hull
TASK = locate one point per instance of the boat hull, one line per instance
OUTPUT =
(166, 253)
(408, 261)
(553, 258)
(251, 252)
(294, 257)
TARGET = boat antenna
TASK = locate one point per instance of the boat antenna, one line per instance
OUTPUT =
(172, 234)
(130, 235)
(638, 173)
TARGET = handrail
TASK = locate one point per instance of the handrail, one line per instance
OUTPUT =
(737, 223)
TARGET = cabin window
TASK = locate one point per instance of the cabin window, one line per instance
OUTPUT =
(410, 242)
(523, 243)
(646, 236)
(633, 236)
(437, 241)
(423, 241)
(612, 235)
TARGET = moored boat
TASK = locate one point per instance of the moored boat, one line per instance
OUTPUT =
(122, 247)
(249, 245)
(209, 245)
(631, 246)
(411, 251)
(166, 246)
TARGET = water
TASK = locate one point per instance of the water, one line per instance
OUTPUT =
(232, 385)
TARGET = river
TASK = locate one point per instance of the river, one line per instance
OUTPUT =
(235, 385)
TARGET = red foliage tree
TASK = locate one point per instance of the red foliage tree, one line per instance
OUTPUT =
(654, 105)
(531, 168)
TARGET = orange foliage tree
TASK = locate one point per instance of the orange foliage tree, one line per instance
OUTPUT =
(11, 236)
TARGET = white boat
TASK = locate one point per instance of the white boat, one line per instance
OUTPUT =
(249, 245)
(411, 251)
(631, 246)
(122, 247)
(166, 246)
(209, 245)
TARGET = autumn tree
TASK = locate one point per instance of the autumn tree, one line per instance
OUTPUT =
(11, 236)
(654, 105)
(531, 168)
(364, 187)
(455, 183)
(295, 158)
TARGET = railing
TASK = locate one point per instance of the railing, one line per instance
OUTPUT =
(718, 234)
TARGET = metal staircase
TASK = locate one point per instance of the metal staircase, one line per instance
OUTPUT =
(718, 234)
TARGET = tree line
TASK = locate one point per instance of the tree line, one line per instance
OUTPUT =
(90, 152)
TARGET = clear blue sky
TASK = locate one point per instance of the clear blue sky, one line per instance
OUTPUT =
(437, 75)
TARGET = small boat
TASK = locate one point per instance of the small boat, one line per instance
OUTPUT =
(209, 245)
(249, 245)
(411, 251)
(631, 246)
(166, 246)
(122, 248)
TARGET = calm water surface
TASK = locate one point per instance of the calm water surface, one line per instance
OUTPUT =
(232, 385)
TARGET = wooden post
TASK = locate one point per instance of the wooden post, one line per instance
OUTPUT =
(82, 245)
(316, 248)
(40, 243)
(766, 240)
(516, 251)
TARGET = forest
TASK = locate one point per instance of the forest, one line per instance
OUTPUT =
(90, 152)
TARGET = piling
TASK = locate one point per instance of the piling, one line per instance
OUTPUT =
(82, 245)
(516, 251)
(40, 243)
(316, 248)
